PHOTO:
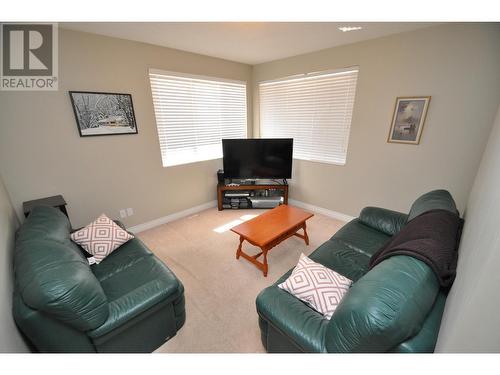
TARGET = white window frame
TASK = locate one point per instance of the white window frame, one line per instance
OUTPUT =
(342, 160)
(169, 158)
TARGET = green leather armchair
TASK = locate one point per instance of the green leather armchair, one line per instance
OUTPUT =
(395, 307)
(130, 302)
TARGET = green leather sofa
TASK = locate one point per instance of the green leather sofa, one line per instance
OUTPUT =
(130, 302)
(395, 307)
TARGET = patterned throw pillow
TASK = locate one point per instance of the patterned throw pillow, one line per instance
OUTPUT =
(101, 237)
(318, 286)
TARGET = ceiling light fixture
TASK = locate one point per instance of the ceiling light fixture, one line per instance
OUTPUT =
(345, 29)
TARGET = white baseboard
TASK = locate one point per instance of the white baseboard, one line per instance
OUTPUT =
(205, 206)
(171, 217)
(321, 210)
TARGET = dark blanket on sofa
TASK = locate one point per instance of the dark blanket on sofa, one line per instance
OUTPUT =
(433, 238)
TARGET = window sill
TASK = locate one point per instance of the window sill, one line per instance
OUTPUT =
(322, 161)
(190, 162)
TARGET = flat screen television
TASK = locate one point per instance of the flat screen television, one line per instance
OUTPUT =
(260, 158)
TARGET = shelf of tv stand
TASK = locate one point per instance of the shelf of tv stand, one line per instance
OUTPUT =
(222, 188)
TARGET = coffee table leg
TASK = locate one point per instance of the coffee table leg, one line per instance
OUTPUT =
(238, 251)
(306, 237)
(265, 267)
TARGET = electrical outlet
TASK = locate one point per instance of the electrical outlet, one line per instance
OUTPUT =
(123, 214)
(130, 211)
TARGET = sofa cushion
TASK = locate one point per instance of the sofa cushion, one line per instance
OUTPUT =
(135, 289)
(101, 237)
(318, 286)
(433, 200)
(361, 237)
(118, 261)
(341, 258)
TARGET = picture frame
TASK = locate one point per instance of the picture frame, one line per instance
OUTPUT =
(408, 119)
(103, 113)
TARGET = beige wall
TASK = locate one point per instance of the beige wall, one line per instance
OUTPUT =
(471, 320)
(41, 153)
(457, 64)
(10, 338)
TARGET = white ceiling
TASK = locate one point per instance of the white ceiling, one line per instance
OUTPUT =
(245, 42)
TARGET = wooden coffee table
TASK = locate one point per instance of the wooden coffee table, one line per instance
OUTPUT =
(269, 229)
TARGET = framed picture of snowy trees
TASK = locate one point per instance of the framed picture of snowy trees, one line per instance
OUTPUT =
(103, 113)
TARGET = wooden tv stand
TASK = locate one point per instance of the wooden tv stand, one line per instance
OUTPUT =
(254, 187)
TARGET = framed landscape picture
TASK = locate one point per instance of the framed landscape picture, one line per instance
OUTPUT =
(408, 119)
(103, 113)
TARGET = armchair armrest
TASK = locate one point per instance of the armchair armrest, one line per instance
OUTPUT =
(386, 221)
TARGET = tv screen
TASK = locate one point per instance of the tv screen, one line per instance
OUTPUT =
(257, 158)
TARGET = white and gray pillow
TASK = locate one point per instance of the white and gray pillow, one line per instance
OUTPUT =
(318, 286)
(101, 237)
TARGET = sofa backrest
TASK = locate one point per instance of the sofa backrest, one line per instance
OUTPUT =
(384, 308)
(433, 200)
(53, 276)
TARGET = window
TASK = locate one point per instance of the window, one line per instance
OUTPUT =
(315, 110)
(194, 113)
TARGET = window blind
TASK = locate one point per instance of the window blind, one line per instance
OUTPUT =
(314, 110)
(193, 114)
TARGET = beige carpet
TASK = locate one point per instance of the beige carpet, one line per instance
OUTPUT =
(220, 290)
